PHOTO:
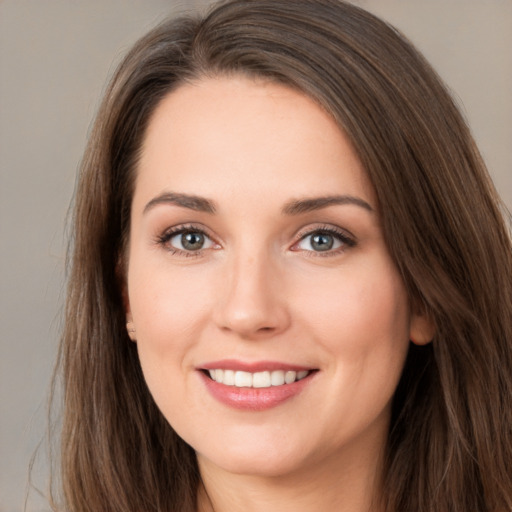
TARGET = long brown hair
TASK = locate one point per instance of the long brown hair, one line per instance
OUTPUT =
(450, 443)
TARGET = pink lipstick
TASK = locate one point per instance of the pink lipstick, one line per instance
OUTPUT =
(254, 386)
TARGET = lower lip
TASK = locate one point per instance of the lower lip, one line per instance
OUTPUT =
(255, 399)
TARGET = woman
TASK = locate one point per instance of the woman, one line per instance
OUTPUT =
(291, 279)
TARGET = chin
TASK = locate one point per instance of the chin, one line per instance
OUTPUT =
(256, 466)
(275, 459)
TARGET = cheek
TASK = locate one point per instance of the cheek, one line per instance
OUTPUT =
(361, 319)
(367, 303)
(362, 325)
(164, 299)
(169, 309)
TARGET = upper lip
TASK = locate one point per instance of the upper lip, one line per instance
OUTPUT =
(253, 366)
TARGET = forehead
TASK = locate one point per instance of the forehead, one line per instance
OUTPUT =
(251, 136)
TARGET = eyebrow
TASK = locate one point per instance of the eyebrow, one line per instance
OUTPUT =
(295, 207)
(305, 205)
(191, 202)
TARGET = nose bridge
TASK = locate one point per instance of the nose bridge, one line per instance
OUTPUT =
(252, 303)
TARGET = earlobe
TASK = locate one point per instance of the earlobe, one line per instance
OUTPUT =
(130, 327)
(422, 329)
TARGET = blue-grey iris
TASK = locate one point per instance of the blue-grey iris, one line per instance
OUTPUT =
(322, 242)
(192, 241)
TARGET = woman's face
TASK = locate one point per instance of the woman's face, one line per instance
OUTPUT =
(256, 256)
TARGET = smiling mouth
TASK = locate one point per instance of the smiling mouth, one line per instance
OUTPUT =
(255, 386)
(264, 379)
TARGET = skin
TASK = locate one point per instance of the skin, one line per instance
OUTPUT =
(259, 290)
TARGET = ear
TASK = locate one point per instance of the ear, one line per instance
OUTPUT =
(123, 288)
(422, 329)
(130, 327)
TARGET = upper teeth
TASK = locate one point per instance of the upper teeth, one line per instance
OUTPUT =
(256, 380)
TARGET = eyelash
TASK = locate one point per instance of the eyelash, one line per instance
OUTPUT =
(345, 239)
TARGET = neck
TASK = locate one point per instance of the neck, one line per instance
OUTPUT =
(349, 484)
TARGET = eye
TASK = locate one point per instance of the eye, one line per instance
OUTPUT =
(319, 242)
(324, 241)
(186, 240)
(190, 241)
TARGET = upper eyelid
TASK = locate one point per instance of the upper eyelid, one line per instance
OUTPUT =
(329, 228)
(183, 228)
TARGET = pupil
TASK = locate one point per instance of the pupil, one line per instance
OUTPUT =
(322, 242)
(192, 241)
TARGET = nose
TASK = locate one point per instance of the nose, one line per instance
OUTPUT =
(252, 300)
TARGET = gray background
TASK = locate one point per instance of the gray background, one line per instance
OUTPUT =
(54, 58)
